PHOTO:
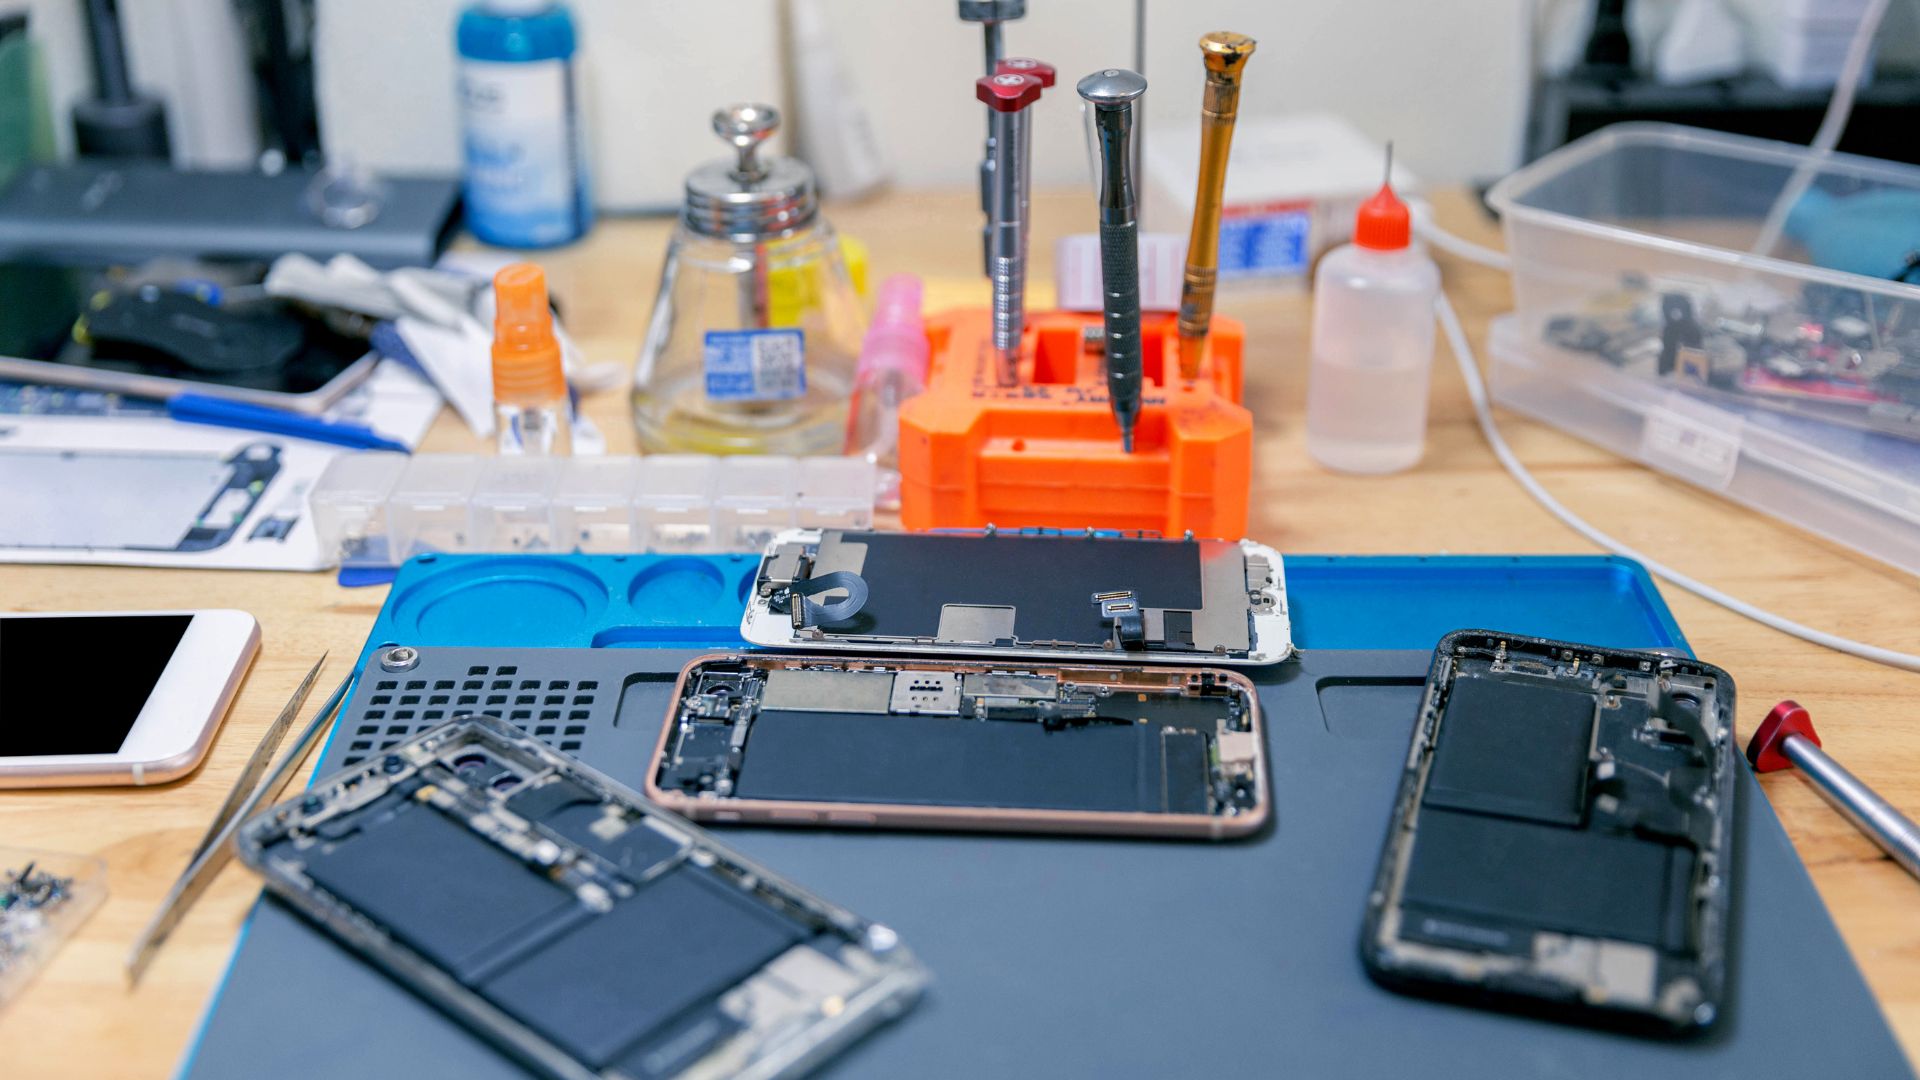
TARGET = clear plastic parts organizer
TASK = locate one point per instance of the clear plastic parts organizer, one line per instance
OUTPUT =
(374, 508)
(1646, 322)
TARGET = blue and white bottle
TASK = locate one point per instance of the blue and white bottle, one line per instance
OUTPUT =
(525, 166)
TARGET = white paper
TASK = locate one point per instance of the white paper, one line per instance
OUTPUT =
(85, 489)
(275, 534)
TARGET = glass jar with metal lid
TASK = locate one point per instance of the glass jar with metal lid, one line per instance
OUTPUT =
(757, 328)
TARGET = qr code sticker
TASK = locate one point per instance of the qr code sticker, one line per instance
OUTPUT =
(755, 365)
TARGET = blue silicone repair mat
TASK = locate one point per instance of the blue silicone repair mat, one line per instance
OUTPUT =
(1071, 956)
(695, 601)
(1412, 601)
(567, 601)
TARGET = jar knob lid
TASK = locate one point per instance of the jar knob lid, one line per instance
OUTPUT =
(745, 127)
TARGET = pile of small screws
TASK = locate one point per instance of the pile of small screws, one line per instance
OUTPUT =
(29, 897)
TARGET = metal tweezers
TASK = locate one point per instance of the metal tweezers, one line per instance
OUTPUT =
(256, 786)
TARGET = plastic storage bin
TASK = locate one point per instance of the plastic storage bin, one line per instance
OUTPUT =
(675, 502)
(1803, 43)
(1644, 323)
(836, 493)
(753, 499)
(513, 504)
(349, 504)
(427, 510)
(593, 505)
(375, 509)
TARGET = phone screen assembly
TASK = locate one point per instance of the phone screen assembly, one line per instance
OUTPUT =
(582, 930)
(929, 743)
(1034, 594)
(116, 697)
(133, 500)
(1562, 837)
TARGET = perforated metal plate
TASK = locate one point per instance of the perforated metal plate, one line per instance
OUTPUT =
(572, 704)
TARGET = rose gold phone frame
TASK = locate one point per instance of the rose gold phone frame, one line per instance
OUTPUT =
(729, 810)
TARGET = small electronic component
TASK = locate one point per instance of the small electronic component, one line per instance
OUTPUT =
(1562, 838)
(933, 744)
(587, 933)
(1036, 594)
(44, 897)
(931, 693)
(1828, 353)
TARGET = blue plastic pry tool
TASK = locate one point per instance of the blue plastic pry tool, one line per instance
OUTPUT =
(219, 412)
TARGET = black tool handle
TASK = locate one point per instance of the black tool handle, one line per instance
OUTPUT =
(1112, 93)
(1120, 286)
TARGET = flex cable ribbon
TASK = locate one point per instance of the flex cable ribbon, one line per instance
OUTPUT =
(814, 613)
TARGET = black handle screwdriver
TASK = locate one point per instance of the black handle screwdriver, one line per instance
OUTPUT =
(1112, 92)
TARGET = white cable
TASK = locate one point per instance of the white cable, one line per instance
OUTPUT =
(1482, 411)
(1839, 107)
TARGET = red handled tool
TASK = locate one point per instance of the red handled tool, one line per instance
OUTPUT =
(1786, 739)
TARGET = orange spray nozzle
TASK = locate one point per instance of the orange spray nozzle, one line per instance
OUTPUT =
(526, 355)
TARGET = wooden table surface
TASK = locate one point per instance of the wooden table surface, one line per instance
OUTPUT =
(80, 1019)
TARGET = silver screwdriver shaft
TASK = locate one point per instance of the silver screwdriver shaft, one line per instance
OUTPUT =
(1112, 93)
(1786, 739)
(990, 14)
(1893, 831)
(1007, 96)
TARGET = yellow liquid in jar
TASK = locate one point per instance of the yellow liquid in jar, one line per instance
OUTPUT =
(675, 415)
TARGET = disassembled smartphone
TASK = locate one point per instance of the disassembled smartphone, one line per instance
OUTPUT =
(583, 930)
(915, 743)
(1035, 594)
(1562, 839)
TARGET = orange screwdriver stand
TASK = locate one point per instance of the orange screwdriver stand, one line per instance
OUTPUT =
(1047, 451)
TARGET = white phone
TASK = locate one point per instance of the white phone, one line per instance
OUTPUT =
(116, 697)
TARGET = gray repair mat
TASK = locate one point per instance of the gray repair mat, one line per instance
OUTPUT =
(1089, 958)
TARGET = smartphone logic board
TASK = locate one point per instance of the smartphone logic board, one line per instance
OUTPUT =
(1562, 835)
(580, 929)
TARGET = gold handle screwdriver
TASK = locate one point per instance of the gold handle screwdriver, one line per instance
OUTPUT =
(1225, 54)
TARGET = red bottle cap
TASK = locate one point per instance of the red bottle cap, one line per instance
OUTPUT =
(1383, 223)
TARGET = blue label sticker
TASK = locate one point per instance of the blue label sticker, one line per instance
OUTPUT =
(1265, 245)
(756, 365)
